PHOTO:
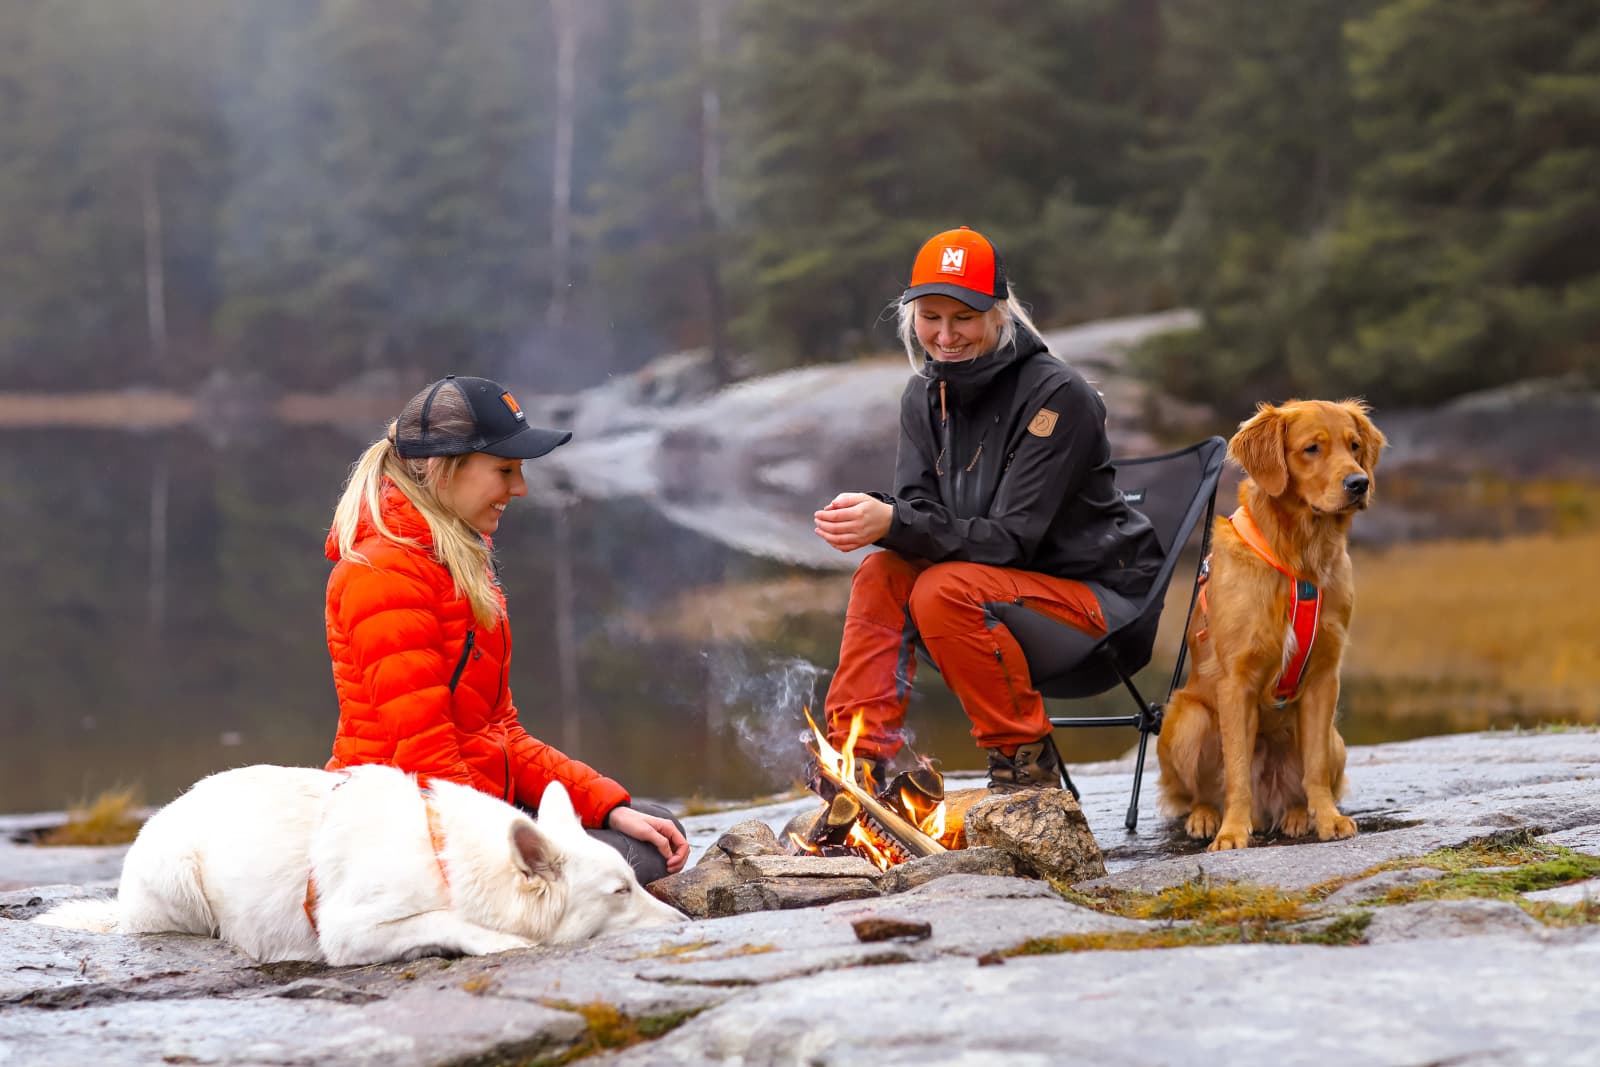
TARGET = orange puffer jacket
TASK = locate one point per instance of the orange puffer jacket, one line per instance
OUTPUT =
(422, 686)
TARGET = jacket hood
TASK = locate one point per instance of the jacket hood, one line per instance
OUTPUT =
(399, 515)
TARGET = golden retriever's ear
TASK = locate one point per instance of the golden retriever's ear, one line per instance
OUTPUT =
(1258, 448)
(1372, 440)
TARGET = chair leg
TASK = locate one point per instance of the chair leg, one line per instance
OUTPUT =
(1149, 723)
(1066, 779)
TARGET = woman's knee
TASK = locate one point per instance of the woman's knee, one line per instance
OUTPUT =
(881, 569)
(645, 858)
(949, 589)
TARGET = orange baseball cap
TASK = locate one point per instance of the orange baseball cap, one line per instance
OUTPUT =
(960, 263)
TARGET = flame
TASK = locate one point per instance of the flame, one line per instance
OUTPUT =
(842, 764)
(862, 838)
(802, 844)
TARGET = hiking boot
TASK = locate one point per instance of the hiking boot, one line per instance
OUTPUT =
(1035, 766)
(871, 774)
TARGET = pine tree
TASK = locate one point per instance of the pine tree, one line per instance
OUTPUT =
(1471, 254)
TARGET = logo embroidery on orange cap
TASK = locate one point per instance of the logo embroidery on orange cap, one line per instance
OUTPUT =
(953, 261)
(511, 403)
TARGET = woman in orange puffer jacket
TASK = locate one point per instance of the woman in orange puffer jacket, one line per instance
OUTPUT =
(417, 625)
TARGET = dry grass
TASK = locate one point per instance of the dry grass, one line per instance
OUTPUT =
(608, 1031)
(112, 818)
(743, 611)
(1470, 634)
(146, 409)
(1205, 912)
(699, 804)
(1507, 619)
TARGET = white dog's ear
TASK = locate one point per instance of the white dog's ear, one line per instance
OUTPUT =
(555, 810)
(1258, 448)
(533, 852)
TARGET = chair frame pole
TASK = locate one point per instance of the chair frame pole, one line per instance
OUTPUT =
(1148, 720)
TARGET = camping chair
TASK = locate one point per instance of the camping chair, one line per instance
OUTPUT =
(1175, 491)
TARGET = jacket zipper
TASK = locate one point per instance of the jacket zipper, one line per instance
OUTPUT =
(505, 667)
(466, 654)
(505, 656)
(999, 657)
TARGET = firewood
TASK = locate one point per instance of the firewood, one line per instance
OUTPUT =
(912, 840)
(833, 822)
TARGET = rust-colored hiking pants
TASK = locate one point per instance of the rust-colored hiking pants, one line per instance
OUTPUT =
(895, 600)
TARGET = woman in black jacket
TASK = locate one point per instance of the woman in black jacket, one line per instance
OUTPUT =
(1003, 494)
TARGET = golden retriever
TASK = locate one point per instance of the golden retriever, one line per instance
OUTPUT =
(1235, 753)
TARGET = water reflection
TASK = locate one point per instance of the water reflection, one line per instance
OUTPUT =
(164, 621)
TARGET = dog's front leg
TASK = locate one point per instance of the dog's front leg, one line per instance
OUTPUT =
(431, 933)
(1237, 723)
(1317, 706)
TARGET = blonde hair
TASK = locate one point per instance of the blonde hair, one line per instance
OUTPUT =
(459, 548)
(1001, 320)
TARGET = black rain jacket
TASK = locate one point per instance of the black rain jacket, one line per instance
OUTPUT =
(1003, 460)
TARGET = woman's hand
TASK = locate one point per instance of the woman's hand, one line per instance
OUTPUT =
(853, 520)
(652, 830)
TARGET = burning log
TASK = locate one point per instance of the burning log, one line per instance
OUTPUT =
(903, 822)
(891, 823)
(834, 826)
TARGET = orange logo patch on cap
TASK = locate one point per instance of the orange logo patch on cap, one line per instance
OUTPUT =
(511, 402)
(953, 261)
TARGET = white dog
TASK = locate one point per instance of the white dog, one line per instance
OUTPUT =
(363, 866)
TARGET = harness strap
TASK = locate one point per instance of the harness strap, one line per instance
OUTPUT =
(435, 840)
(1305, 609)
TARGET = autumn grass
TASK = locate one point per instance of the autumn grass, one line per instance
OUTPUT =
(1488, 625)
(683, 952)
(699, 804)
(1492, 868)
(109, 819)
(1450, 636)
(1205, 912)
(1202, 912)
(607, 1029)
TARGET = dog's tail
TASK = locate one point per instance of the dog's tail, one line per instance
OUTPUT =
(95, 916)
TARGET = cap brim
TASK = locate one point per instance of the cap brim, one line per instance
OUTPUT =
(971, 297)
(530, 442)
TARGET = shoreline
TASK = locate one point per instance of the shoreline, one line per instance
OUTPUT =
(162, 409)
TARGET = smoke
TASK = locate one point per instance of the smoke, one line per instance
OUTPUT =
(766, 708)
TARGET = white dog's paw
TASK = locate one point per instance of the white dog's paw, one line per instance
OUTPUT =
(491, 941)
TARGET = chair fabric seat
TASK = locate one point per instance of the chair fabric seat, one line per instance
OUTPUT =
(1177, 492)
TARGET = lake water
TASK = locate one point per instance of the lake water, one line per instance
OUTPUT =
(163, 621)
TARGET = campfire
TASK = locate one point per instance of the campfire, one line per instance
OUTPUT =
(886, 823)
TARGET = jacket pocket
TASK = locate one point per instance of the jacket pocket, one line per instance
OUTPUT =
(466, 654)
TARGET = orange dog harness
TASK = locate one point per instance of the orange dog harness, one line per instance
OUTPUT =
(1304, 612)
(435, 837)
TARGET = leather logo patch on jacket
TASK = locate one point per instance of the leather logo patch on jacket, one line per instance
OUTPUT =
(1044, 423)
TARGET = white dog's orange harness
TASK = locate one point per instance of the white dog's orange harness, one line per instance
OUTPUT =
(1304, 612)
(435, 838)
